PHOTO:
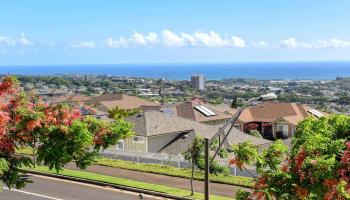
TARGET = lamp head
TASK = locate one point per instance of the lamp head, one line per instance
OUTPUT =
(268, 97)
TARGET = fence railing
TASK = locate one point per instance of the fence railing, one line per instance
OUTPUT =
(152, 158)
(164, 159)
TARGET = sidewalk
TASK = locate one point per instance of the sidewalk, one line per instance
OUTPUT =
(183, 183)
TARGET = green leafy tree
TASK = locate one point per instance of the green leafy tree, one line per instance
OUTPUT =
(255, 133)
(234, 103)
(195, 155)
(117, 113)
(317, 165)
(59, 132)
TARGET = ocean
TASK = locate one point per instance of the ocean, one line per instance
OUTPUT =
(262, 71)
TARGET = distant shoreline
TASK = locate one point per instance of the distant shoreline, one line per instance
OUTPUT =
(219, 71)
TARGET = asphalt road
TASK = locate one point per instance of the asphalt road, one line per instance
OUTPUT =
(45, 188)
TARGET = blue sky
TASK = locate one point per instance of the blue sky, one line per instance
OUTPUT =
(165, 31)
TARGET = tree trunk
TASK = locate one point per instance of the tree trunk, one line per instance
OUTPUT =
(34, 158)
(192, 175)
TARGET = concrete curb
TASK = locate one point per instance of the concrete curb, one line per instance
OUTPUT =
(105, 184)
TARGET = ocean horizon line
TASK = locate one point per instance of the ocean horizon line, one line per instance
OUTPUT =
(183, 71)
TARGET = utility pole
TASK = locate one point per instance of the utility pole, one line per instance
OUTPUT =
(206, 169)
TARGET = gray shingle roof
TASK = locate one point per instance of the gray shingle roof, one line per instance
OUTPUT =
(179, 144)
(151, 123)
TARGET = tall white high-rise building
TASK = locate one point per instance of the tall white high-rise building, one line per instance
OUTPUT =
(198, 81)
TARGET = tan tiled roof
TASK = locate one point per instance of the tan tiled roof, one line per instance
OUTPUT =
(105, 102)
(220, 113)
(67, 98)
(272, 111)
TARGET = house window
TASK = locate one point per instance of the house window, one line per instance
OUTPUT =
(120, 145)
(138, 139)
(283, 129)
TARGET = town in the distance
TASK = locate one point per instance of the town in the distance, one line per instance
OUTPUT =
(206, 103)
(148, 126)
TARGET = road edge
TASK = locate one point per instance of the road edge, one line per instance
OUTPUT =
(104, 184)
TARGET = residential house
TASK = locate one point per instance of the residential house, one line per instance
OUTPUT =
(163, 132)
(76, 100)
(199, 110)
(275, 120)
(108, 101)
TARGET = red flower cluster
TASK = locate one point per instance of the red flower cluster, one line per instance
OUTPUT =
(259, 186)
(6, 143)
(344, 172)
(8, 86)
(21, 115)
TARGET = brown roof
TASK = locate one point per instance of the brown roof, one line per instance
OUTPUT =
(105, 102)
(187, 110)
(272, 111)
(74, 98)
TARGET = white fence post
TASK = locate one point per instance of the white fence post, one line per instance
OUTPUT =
(178, 161)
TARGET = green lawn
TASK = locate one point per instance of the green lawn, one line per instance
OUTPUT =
(174, 171)
(166, 170)
(127, 182)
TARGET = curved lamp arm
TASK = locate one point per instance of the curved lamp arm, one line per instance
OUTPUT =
(233, 119)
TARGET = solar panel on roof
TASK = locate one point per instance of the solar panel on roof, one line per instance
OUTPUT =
(316, 113)
(207, 114)
(208, 110)
(204, 110)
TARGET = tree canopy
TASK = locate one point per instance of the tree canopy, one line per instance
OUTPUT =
(317, 165)
(60, 133)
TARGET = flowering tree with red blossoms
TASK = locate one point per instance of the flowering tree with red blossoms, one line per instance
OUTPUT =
(58, 132)
(317, 165)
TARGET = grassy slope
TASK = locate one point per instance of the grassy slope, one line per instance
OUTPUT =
(174, 171)
(166, 170)
(127, 182)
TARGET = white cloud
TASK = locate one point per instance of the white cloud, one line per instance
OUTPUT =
(152, 38)
(170, 39)
(200, 39)
(332, 43)
(121, 42)
(135, 40)
(87, 45)
(22, 40)
(289, 43)
(6, 41)
(238, 42)
(261, 44)
(138, 39)
(320, 44)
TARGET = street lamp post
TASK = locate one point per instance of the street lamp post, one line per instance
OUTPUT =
(206, 170)
(231, 121)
